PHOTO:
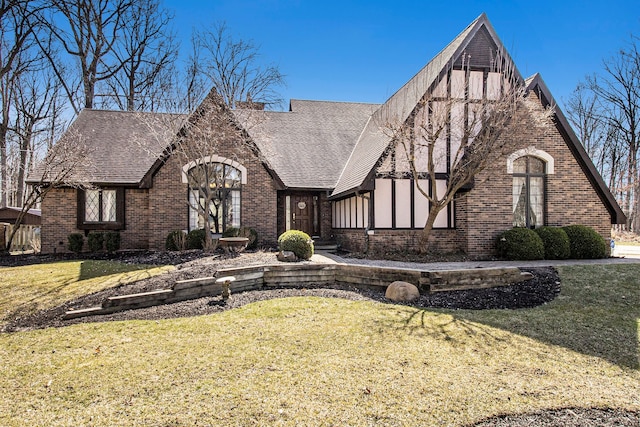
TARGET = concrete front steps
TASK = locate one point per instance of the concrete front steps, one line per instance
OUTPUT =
(325, 246)
(293, 275)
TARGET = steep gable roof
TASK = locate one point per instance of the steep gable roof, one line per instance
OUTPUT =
(536, 84)
(122, 145)
(308, 145)
(373, 141)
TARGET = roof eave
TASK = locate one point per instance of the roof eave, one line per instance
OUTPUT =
(574, 144)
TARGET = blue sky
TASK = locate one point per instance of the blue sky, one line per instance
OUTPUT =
(363, 51)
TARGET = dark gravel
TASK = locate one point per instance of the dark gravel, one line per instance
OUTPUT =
(567, 417)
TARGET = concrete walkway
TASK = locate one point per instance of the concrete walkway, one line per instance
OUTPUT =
(326, 257)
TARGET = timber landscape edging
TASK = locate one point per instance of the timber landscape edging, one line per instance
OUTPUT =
(295, 275)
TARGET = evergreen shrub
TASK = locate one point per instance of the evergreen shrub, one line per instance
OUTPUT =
(95, 241)
(75, 242)
(297, 242)
(112, 241)
(520, 244)
(195, 239)
(585, 242)
(555, 241)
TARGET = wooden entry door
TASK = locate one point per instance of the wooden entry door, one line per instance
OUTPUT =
(302, 213)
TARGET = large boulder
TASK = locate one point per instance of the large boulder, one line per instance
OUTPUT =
(287, 256)
(399, 291)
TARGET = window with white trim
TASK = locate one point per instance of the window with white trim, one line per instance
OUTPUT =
(214, 188)
(528, 193)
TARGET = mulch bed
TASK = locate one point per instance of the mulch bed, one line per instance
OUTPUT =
(543, 288)
(567, 417)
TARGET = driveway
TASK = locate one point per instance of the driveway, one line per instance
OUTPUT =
(627, 251)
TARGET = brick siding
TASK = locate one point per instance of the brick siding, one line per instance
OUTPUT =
(484, 212)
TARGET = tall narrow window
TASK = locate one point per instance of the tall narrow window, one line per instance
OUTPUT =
(528, 192)
(214, 189)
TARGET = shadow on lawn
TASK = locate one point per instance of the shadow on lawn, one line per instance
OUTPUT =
(88, 270)
(596, 314)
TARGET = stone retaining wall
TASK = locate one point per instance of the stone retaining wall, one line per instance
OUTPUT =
(294, 275)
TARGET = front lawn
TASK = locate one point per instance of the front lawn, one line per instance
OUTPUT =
(23, 290)
(313, 361)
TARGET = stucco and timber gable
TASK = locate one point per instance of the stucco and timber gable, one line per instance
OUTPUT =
(322, 167)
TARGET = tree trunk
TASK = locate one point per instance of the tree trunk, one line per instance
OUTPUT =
(426, 231)
(22, 166)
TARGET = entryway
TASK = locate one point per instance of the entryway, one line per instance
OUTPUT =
(302, 212)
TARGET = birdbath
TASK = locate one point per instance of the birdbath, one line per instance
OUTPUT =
(233, 244)
(225, 282)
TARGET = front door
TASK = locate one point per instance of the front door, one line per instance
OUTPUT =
(302, 212)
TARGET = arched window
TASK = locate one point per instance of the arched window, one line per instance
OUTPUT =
(214, 196)
(528, 192)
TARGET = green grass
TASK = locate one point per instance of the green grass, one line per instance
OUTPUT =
(23, 290)
(313, 361)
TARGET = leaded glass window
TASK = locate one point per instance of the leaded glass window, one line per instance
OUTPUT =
(528, 192)
(218, 186)
(100, 206)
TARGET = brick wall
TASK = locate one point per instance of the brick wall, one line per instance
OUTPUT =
(59, 212)
(570, 197)
(59, 219)
(484, 212)
(168, 207)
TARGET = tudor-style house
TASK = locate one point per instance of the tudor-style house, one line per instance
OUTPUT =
(333, 171)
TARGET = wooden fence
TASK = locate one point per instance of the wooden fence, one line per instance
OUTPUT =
(27, 238)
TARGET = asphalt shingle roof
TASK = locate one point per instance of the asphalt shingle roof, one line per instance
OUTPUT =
(309, 145)
(122, 145)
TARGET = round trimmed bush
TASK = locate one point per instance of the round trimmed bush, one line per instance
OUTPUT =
(520, 244)
(555, 241)
(297, 242)
(176, 240)
(585, 242)
(248, 232)
(195, 239)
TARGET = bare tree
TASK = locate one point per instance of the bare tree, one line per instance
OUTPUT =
(478, 129)
(18, 22)
(233, 67)
(37, 109)
(618, 92)
(87, 30)
(147, 49)
(62, 166)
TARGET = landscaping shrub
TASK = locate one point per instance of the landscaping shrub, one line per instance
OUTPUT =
(95, 241)
(112, 241)
(585, 242)
(555, 241)
(176, 241)
(520, 244)
(248, 232)
(195, 239)
(297, 242)
(76, 241)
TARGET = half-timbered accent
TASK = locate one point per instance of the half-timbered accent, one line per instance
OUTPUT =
(333, 170)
